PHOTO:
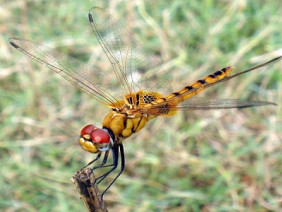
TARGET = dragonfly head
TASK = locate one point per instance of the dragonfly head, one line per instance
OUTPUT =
(94, 139)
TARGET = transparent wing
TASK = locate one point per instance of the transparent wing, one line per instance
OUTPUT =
(197, 103)
(135, 69)
(88, 78)
(202, 104)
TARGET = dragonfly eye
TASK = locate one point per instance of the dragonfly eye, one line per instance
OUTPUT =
(87, 129)
(94, 140)
(100, 136)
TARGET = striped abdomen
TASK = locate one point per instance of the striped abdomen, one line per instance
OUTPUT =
(194, 88)
(162, 105)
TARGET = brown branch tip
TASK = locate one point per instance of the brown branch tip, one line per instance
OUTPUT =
(84, 180)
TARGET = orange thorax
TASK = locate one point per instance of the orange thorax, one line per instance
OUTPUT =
(124, 125)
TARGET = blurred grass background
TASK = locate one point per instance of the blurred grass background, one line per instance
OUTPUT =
(198, 161)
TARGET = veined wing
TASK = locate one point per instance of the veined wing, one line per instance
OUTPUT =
(135, 69)
(170, 104)
(85, 77)
(197, 103)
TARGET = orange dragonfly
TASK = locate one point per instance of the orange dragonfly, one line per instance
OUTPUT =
(131, 91)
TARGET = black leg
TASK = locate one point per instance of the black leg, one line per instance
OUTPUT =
(122, 165)
(98, 156)
(105, 158)
(115, 151)
(103, 162)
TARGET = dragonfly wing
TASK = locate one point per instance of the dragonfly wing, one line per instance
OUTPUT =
(88, 78)
(136, 69)
(194, 91)
(197, 103)
(164, 105)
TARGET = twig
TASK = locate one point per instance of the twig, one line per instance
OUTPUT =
(89, 192)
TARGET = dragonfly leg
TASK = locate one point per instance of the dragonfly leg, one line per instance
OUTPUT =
(98, 156)
(122, 165)
(115, 151)
(103, 162)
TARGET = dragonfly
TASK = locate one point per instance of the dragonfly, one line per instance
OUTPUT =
(132, 91)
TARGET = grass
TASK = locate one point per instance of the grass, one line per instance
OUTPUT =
(196, 161)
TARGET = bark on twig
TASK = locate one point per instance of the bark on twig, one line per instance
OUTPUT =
(89, 192)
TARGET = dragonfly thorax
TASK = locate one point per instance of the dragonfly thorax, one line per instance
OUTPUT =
(141, 98)
(126, 118)
(124, 124)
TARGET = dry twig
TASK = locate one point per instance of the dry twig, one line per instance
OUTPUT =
(89, 192)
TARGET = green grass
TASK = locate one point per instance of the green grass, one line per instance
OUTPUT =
(211, 161)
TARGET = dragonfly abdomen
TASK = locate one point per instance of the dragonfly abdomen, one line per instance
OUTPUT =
(198, 86)
(166, 106)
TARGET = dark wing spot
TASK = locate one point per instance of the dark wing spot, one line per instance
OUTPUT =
(14, 45)
(90, 18)
(176, 93)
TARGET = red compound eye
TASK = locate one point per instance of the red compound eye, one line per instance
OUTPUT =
(100, 136)
(87, 129)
